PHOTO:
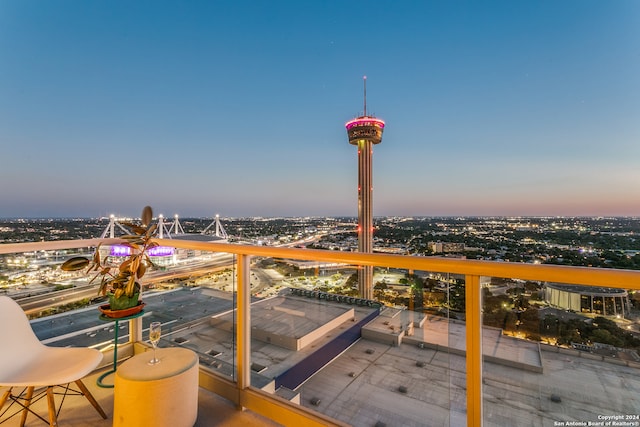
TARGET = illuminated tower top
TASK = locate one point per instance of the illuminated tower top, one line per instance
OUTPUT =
(365, 127)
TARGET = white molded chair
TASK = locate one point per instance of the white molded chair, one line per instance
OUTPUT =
(28, 364)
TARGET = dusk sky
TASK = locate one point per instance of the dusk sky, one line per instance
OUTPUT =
(238, 108)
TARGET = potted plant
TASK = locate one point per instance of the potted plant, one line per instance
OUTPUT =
(120, 281)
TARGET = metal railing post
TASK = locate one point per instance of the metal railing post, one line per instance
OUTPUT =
(473, 307)
(243, 327)
(135, 330)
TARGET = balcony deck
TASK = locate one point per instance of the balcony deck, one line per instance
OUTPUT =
(213, 410)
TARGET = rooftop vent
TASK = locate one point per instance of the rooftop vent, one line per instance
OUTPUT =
(256, 367)
(315, 401)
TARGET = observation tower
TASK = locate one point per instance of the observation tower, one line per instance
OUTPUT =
(364, 132)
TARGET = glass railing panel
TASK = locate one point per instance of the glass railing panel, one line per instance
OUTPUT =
(62, 306)
(316, 343)
(185, 290)
(25, 276)
(194, 296)
(556, 354)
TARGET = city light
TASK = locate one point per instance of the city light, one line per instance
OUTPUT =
(161, 251)
(369, 121)
(119, 250)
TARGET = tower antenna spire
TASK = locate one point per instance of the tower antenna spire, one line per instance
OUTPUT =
(365, 94)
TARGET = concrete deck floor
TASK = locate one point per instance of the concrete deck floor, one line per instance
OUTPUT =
(213, 410)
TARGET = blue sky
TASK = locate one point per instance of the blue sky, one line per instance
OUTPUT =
(238, 108)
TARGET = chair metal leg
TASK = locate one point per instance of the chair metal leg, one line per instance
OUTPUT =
(5, 396)
(90, 398)
(26, 398)
(27, 402)
(53, 420)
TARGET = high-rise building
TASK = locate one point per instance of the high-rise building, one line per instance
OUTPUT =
(364, 132)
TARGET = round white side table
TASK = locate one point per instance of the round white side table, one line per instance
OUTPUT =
(164, 394)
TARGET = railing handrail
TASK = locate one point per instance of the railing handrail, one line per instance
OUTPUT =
(545, 272)
(53, 245)
(588, 276)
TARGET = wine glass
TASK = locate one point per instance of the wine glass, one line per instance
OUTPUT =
(155, 330)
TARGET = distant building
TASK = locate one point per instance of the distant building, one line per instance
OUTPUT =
(164, 255)
(588, 299)
(446, 247)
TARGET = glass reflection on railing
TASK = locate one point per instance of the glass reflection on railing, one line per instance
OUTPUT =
(316, 343)
(61, 305)
(557, 353)
(27, 276)
(194, 297)
(185, 290)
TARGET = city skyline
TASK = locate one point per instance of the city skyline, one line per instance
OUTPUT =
(492, 109)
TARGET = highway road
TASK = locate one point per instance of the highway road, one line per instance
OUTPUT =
(37, 303)
(195, 267)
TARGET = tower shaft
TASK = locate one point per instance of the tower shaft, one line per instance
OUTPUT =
(365, 196)
(365, 214)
